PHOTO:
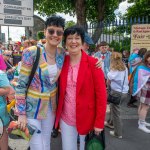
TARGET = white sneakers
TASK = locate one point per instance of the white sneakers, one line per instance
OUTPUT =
(145, 123)
(142, 126)
(112, 133)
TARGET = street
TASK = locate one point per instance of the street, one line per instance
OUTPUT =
(133, 138)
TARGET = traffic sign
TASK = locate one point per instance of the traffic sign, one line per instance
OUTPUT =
(16, 12)
(16, 20)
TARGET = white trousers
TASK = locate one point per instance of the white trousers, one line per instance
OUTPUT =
(41, 141)
(69, 137)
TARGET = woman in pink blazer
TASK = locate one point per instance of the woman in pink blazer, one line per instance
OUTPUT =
(82, 93)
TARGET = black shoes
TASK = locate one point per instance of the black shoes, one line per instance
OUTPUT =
(132, 106)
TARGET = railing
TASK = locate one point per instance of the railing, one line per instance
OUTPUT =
(116, 33)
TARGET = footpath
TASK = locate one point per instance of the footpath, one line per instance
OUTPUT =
(133, 138)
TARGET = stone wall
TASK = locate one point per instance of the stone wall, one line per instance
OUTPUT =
(31, 32)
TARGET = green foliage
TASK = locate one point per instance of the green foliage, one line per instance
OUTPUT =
(139, 9)
(40, 35)
(117, 30)
(69, 24)
(115, 45)
(49, 7)
(122, 45)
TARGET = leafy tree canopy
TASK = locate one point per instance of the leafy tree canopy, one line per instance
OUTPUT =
(92, 13)
(140, 8)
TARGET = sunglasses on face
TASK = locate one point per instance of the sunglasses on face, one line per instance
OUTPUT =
(58, 32)
(15, 45)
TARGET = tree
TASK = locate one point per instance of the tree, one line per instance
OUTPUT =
(69, 24)
(85, 10)
(140, 8)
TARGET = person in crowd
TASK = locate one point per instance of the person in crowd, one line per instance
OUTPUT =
(133, 63)
(125, 57)
(38, 107)
(141, 89)
(4, 90)
(10, 68)
(118, 82)
(17, 53)
(26, 44)
(1, 44)
(82, 91)
(14, 82)
(10, 47)
(33, 42)
(104, 54)
(87, 43)
(41, 42)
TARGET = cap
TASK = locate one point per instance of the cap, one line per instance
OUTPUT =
(87, 39)
(18, 43)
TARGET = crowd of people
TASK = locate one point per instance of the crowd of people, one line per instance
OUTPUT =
(68, 84)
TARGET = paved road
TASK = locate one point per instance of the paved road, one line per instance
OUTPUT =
(133, 138)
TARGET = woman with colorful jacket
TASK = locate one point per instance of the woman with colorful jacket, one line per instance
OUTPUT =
(38, 106)
(82, 93)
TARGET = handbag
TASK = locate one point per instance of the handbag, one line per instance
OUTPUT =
(95, 142)
(115, 97)
(27, 134)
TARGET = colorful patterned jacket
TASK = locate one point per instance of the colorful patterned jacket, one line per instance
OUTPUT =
(41, 90)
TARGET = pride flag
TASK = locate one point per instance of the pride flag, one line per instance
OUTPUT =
(140, 78)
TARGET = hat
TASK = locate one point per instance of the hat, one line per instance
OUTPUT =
(87, 39)
(18, 43)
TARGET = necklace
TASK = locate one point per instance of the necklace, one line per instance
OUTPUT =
(51, 57)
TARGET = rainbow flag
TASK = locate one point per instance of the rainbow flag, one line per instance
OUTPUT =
(140, 78)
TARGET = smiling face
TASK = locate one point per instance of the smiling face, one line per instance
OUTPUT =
(74, 44)
(53, 35)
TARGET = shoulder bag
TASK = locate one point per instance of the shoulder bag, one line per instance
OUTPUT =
(115, 97)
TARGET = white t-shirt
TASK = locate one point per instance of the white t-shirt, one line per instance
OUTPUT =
(52, 72)
(117, 78)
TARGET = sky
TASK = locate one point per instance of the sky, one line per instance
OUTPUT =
(16, 32)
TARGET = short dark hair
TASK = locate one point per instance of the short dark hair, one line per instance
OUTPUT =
(142, 52)
(103, 43)
(72, 30)
(146, 56)
(55, 20)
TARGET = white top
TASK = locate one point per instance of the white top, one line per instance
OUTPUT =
(52, 72)
(117, 78)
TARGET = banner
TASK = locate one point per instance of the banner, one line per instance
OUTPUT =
(140, 36)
